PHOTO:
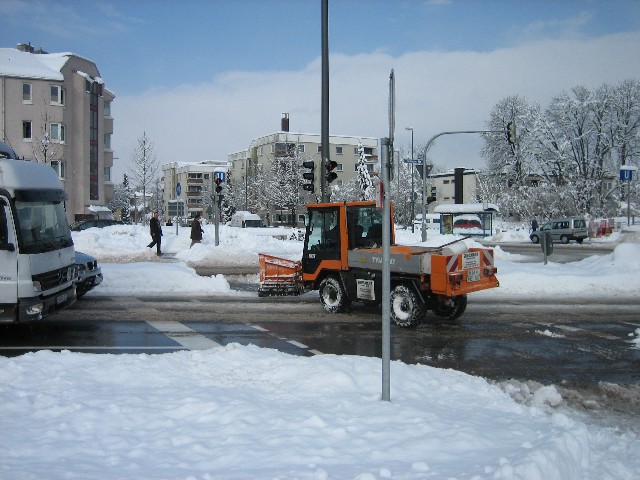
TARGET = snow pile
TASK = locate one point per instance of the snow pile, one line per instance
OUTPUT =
(245, 412)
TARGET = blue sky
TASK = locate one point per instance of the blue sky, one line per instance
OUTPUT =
(182, 70)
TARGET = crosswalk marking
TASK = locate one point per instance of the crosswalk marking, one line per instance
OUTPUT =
(183, 335)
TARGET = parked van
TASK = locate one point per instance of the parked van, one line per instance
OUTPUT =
(37, 260)
(244, 219)
(563, 230)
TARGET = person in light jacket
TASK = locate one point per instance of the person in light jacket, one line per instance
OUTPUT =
(196, 231)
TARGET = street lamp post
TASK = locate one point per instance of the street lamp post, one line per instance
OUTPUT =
(413, 200)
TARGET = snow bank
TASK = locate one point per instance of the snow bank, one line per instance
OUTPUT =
(245, 412)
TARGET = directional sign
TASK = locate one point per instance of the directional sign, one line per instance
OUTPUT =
(412, 160)
(178, 189)
(220, 175)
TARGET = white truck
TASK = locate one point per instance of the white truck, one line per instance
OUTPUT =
(37, 259)
(244, 219)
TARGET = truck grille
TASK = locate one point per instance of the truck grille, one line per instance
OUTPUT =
(54, 278)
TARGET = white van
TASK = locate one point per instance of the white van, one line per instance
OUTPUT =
(244, 219)
(37, 260)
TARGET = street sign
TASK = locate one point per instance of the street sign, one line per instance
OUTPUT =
(626, 175)
(412, 160)
(178, 189)
(220, 175)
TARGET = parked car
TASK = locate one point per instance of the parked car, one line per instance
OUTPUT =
(94, 222)
(563, 230)
(89, 273)
(467, 221)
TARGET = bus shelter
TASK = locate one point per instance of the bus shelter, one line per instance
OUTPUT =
(467, 218)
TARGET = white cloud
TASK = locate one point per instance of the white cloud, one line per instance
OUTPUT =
(435, 92)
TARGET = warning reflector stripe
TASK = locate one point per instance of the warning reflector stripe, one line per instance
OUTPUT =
(452, 263)
(488, 257)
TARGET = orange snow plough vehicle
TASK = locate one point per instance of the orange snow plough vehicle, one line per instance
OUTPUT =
(342, 258)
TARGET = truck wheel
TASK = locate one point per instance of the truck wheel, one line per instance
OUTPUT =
(407, 308)
(564, 239)
(332, 296)
(449, 308)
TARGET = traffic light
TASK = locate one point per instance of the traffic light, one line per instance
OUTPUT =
(511, 133)
(218, 185)
(309, 187)
(331, 175)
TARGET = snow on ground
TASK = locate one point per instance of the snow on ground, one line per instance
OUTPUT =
(239, 412)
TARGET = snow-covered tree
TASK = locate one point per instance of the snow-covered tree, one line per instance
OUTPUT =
(122, 199)
(145, 167)
(364, 179)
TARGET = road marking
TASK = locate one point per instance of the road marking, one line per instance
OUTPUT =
(594, 333)
(183, 335)
(297, 344)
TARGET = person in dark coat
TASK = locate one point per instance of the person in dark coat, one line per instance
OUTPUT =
(196, 231)
(156, 233)
(534, 224)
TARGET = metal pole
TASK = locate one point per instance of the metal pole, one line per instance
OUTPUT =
(325, 100)
(386, 272)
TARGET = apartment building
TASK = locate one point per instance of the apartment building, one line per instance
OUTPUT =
(188, 186)
(56, 109)
(454, 186)
(297, 148)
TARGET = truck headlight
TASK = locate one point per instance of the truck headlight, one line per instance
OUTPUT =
(37, 286)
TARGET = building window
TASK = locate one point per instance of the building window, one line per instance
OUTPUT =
(59, 166)
(300, 148)
(107, 108)
(319, 149)
(26, 93)
(339, 167)
(57, 95)
(26, 130)
(338, 149)
(107, 174)
(56, 132)
(107, 140)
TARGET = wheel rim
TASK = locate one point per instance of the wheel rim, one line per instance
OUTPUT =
(401, 308)
(330, 295)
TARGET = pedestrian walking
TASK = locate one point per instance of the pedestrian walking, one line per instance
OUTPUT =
(534, 224)
(156, 233)
(196, 231)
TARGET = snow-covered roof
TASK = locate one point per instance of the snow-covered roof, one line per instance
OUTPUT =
(14, 63)
(467, 208)
(97, 208)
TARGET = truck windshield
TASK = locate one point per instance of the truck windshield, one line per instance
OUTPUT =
(43, 226)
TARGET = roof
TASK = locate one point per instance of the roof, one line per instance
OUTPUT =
(46, 66)
(467, 208)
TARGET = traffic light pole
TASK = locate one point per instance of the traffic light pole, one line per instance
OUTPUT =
(424, 171)
(325, 157)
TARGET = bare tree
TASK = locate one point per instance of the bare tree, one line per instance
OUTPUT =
(145, 167)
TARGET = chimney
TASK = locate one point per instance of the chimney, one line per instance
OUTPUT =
(284, 123)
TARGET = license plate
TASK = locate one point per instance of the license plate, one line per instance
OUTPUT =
(62, 298)
(473, 275)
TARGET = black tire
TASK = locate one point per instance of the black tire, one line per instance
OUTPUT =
(579, 240)
(449, 308)
(407, 308)
(535, 238)
(564, 239)
(332, 296)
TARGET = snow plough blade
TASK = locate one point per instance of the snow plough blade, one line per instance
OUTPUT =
(279, 276)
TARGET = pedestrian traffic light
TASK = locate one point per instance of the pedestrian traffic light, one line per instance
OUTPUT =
(511, 133)
(310, 165)
(218, 185)
(331, 175)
